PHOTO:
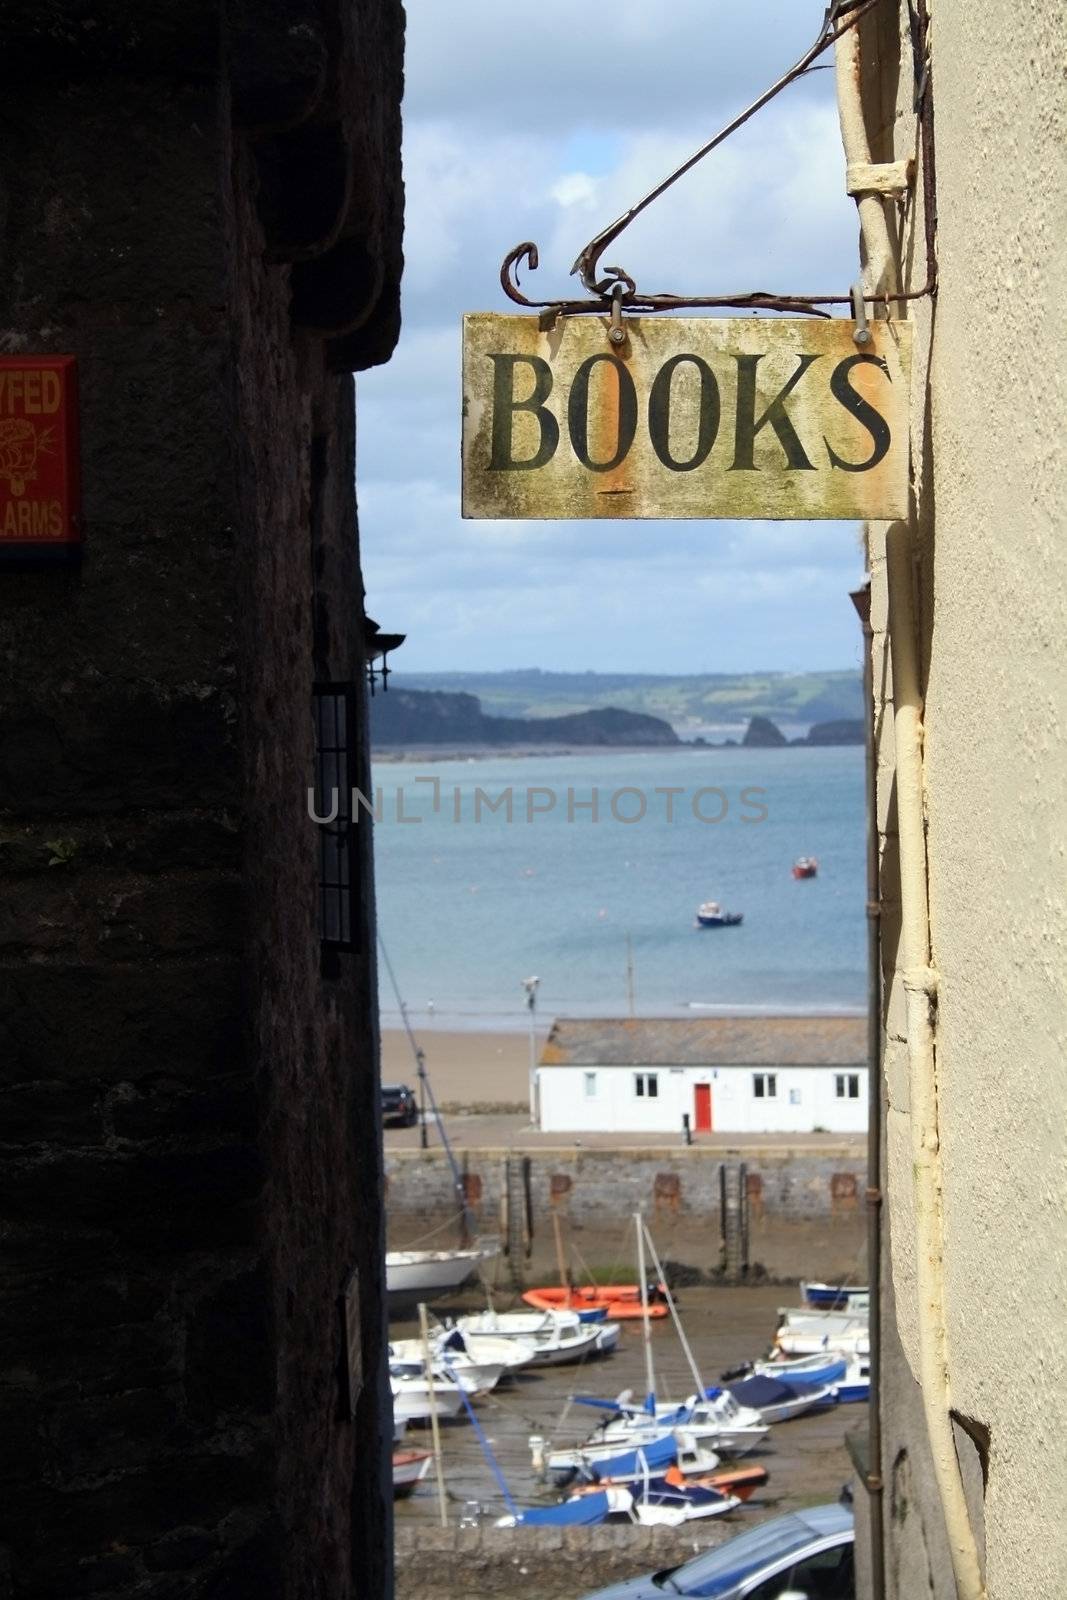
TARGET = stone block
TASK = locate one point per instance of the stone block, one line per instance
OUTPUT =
(118, 754)
(228, 1363)
(170, 1202)
(114, 1024)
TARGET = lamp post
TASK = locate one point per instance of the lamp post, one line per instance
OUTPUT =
(531, 985)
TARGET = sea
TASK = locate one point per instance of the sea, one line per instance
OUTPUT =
(585, 871)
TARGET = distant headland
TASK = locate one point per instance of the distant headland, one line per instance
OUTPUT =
(702, 711)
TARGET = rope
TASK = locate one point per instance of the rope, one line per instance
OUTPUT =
(420, 1064)
(494, 1464)
(440, 1227)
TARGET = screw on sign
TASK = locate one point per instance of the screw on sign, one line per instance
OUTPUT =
(40, 511)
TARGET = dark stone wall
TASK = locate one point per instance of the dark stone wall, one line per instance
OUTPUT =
(203, 205)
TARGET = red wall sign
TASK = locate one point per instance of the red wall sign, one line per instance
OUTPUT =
(40, 492)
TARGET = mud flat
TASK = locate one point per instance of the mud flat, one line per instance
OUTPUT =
(806, 1459)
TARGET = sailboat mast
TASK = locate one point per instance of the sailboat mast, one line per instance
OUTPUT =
(689, 1356)
(650, 1377)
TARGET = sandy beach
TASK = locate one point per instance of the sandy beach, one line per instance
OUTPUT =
(465, 1069)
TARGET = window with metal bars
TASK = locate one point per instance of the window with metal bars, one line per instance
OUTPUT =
(334, 744)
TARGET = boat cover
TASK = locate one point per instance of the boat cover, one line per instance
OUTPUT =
(619, 1406)
(831, 1372)
(761, 1392)
(651, 1457)
(583, 1512)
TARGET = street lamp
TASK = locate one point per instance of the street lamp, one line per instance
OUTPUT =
(531, 985)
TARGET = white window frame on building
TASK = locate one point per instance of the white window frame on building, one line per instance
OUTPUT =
(590, 1085)
(765, 1086)
(847, 1086)
(646, 1085)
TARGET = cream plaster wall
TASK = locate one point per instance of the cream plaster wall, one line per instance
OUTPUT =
(990, 459)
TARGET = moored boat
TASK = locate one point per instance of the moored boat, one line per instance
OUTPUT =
(557, 1336)
(805, 1369)
(474, 1377)
(856, 1383)
(805, 867)
(585, 1512)
(851, 1340)
(414, 1275)
(780, 1402)
(409, 1468)
(712, 915)
(831, 1296)
(412, 1399)
(619, 1302)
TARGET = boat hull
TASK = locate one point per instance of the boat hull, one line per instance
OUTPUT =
(620, 1302)
(409, 1469)
(412, 1276)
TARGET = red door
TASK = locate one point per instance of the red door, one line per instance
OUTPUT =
(702, 1107)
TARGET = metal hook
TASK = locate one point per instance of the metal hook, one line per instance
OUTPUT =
(616, 331)
(861, 334)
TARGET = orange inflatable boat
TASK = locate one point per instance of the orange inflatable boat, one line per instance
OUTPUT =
(619, 1301)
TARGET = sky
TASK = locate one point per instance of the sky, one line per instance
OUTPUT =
(544, 123)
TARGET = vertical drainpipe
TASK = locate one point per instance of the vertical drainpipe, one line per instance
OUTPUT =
(873, 1481)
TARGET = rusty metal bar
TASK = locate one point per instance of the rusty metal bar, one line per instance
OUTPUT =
(841, 16)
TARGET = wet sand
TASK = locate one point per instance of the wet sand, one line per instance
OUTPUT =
(806, 1458)
(465, 1068)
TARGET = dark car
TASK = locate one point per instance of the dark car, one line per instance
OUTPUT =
(807, 1555)
(399, 1105)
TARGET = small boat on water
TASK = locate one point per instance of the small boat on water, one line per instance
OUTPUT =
(712, 915)
(690, 1467)
(558, 1337)
(805, 867)
(832, 1296)
(412, 1401)
(474, 1377)
(585, 1512)
(781, 1402)
(716, 1420)
(667, 1500)
(856, 1384)
(619, 1302)
(409, 1468)
(509, 1353)
(414, 1275)
(850, 1336)
(805, 1369)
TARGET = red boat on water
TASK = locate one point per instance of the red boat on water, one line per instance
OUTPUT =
(805, 867)
(619, 1301)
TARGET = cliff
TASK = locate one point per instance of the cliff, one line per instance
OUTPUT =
(413, 716)
(763, 734)
(845, 730)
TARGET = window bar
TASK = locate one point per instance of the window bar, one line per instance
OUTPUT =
(334, 744)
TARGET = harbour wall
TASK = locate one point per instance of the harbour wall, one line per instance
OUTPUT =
(802, 1211)
(560, 1562)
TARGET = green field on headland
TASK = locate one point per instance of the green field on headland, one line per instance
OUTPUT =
(698, 700)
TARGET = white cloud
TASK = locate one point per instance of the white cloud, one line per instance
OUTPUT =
(545, 131)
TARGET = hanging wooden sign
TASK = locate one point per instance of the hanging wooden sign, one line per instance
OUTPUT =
(741, 417)
(40, 505)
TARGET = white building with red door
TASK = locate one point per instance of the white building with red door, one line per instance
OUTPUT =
(726, 1074)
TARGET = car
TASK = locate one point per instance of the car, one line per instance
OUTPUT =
(807, 1555)
(399, 1105)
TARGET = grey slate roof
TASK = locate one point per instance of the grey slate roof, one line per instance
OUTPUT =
(706, 1042)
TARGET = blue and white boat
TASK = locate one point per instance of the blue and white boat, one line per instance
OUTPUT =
(856, 1384)
(780, 1402)
(832, 1296)
(712, 915)
(585, 1512)
(828, 1368)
